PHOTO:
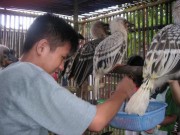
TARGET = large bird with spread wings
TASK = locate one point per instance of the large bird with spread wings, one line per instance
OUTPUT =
(162, 63)
(81, 65)
(111, 51)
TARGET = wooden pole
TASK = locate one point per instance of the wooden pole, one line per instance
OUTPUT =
(75, 17)
(139, 7)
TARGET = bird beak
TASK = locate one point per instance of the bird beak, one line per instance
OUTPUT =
(129, 26)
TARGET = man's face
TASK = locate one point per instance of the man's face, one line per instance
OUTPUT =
(55, 59)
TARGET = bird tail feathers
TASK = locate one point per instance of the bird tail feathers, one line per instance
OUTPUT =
(138, 103)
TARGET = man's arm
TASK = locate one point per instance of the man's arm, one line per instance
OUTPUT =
(107, 110)
(175, 90)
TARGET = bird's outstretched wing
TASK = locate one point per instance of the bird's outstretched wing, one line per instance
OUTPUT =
(109, 52)
(163, 58)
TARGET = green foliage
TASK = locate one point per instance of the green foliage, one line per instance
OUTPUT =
(147, 22)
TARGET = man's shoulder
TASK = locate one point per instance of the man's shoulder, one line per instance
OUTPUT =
(24, 67)
(21, 70)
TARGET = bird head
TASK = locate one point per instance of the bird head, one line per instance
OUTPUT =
(100, 29)
(176, 12)
(7, 56)
(120, 24)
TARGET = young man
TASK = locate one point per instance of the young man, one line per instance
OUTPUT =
(31, 102)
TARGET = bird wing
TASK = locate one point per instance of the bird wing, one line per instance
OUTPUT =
(163, 58)
(70, 63)
(109, 52)
(83, 64)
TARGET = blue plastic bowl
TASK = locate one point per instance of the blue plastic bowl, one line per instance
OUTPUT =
(154, 115)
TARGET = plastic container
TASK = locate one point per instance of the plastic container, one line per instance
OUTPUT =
(154, 115)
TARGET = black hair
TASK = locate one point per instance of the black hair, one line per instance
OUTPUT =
(54, 29)
(80, 36)
(136, 60)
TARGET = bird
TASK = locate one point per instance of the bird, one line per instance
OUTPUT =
(161, 64)
(111, 51)
(7, 56)
(81, 64)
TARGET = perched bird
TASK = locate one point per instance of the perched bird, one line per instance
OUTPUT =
(81, 64)
(162, 63)
(110, 52)
(7, 56)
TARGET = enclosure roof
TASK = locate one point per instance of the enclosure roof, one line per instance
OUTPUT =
(65, 7)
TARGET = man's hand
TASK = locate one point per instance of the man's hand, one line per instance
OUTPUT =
(126, 86)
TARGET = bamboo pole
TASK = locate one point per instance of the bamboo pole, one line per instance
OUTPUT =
(75, 17)
(139, 7)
